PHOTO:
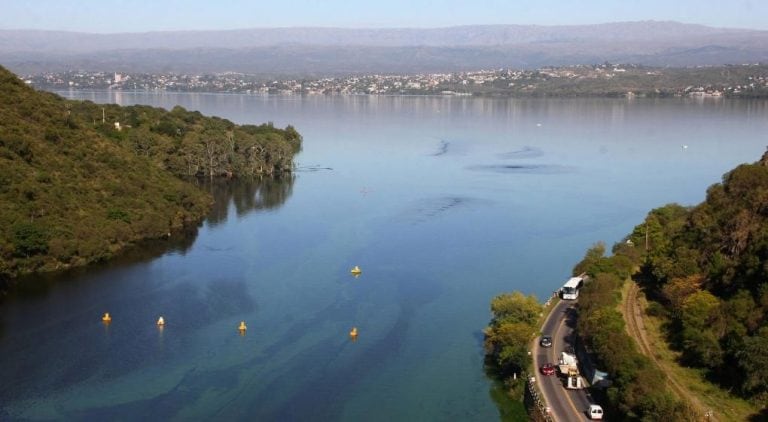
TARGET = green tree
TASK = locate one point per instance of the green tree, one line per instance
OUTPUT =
(591, 259)
(30, 239)
(702, 329)
(515, 307)
(753, 362)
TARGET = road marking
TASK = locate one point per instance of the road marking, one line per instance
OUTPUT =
(537, 364)
(554, 346)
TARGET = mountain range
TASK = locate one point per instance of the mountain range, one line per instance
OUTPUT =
(332, 51)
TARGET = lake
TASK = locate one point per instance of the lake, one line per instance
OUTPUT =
(443, 202)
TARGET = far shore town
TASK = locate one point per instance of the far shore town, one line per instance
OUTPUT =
(747, 80)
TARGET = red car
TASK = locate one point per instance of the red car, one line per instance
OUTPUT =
(548, 369)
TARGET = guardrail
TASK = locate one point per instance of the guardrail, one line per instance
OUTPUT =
(536, 405)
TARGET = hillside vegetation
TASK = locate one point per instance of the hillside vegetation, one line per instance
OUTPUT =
(708, 268)
(76, 187)
(638, 391)
(705, 268)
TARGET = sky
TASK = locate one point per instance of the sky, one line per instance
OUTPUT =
(109, 16)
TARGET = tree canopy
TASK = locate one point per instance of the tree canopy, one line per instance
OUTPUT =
(709, 266)
(80, 181)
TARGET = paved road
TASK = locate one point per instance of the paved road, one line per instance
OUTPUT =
(566, 405)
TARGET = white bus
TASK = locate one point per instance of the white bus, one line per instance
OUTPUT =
(570, 291)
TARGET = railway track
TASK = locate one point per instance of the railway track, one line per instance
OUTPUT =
(634, 319)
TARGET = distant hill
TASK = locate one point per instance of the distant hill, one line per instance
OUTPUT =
(307, 51)
(79, 181)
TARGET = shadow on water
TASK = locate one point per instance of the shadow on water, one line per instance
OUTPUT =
(510, 409)
(246, 195)
(35, 286)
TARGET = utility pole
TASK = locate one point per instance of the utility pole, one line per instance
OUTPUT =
(103, 116)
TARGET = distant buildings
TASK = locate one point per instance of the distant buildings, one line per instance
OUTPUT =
(603, 79)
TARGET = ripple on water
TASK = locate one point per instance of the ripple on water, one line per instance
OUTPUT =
(524, 152)
(428, 209)
(523, 168)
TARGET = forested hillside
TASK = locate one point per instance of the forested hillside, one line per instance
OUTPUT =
(705, 270)
(80, 181)
(708, 266)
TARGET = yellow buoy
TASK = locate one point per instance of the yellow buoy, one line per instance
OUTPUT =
(160, 321)
(353, 332)
(356, 270)
(106, 317)
(242, 326)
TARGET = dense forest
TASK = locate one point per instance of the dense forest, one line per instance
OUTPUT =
(638, 389)
(708, 266)
(81, 181)
(705, 270)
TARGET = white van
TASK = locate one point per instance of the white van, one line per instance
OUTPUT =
(595, 411)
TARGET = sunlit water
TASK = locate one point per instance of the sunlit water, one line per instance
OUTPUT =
(443, 203)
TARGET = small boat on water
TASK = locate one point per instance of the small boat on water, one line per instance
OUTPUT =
(242, 327)
(106, 318)
(160, 322)
(356, 270)
(353, 333)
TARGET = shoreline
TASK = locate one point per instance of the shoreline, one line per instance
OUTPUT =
(543, 96)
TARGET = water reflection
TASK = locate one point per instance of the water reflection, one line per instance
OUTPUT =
(37, 286)
(248, 195)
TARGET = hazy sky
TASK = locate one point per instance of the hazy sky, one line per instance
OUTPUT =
(158, 15)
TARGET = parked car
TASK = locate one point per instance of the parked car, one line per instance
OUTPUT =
(546, 341)
(595, 412)
(548, 369)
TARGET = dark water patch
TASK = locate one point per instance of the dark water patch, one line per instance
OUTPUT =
(431, 208)
(190, 389)
(320, 395)
(215, 249)
(312, 168)
(198, 307)
(5, 285)
(128, 344)
(442, 149)
(479, 337)
(37, 286)
(524, 152)
(523, 168)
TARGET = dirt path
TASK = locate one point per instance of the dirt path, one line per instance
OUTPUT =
(633, 315)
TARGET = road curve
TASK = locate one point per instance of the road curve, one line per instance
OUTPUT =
(565, 405)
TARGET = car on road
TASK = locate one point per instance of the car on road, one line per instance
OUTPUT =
(546, 341)
(595, 412)
(548, 369)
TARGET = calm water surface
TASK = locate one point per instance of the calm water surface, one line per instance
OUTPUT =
(443, 202)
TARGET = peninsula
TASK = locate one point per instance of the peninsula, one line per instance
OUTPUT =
(79, 182)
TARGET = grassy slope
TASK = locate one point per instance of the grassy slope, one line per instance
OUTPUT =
(724, 405)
